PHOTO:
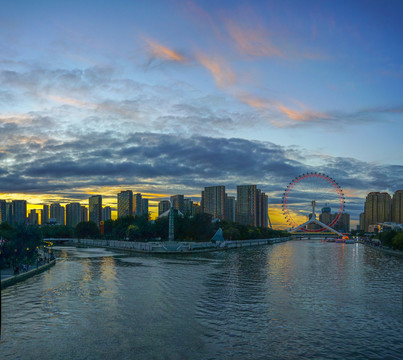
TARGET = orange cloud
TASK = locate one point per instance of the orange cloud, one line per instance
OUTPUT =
(222, 73)
(163, 52)
(254, 101)
(303, 116)
(252, 42)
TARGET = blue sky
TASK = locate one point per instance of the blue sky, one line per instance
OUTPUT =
(316, 85)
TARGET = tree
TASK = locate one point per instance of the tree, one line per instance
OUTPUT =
(109, 226)
(132, 232)
(19, 244)
(57, 231)
(386, 237)
(87, 230)
(398, 241)
(231, 233)
(161, 228)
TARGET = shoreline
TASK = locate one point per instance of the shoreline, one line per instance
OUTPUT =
(175, 247)
(397, 253)
(14, 279)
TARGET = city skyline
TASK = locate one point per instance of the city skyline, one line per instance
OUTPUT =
(249, 207)
(170, 97)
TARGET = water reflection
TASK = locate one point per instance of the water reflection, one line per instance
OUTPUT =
(293, 300)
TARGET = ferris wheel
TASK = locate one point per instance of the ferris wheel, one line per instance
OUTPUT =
(310, 190)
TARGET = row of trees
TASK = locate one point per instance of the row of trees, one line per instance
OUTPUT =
(18, 244)
(197, 228)
(392, 239)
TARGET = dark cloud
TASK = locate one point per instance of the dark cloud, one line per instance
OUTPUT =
(174, 164)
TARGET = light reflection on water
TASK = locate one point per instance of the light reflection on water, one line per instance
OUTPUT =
(287, 301)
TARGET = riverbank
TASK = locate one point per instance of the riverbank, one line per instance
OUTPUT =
(13, 279)
(397, 253)
(173, 247)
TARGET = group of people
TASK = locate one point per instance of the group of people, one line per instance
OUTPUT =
(45, 258)
(24, 268)
(372, 242)
(42, 259)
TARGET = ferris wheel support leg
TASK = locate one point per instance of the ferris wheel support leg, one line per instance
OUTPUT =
(316, 222)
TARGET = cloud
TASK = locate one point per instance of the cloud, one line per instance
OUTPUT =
(253, 42)
(221, 71)
(160, 51)
(168, 164)
(254, 101)
(71, 101)
(304, 115)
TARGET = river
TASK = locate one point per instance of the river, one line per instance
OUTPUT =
(295, 300)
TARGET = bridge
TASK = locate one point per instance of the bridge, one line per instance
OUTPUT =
(313, 220)
(58, 241)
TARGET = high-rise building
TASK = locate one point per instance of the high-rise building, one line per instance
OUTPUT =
(84, 213)
(326, 215)
(362, 221)
(202, 201)
(57, 213)
(178, 203)
(19, 212)
(95, 209)
(378, 209)
(45, 215)
(252, 206)
(343, 224)
(188, 207)
(125, 203)
(137, 204)
(144, 207)
(196, 209)
(33, 217)
(106, 213)
(3, 211)
(397, 207)
(262, 208)
(9, 212)
(230, 208)
(163, 206)
(73, 214)
(246, 204)
(213, 198)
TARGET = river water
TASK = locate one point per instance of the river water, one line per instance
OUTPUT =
(295, 300)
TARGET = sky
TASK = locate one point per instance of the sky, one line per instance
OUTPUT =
(167, 97)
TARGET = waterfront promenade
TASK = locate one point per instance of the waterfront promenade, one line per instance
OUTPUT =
(8, 277)
(170, 247)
